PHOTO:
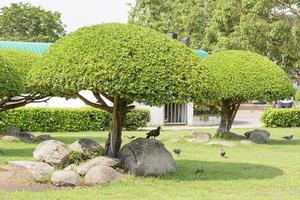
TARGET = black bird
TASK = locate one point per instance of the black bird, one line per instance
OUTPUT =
(199, 171)
(288, 137)
(154, 133)
(130, 137)
(222, 152)
(177, 151)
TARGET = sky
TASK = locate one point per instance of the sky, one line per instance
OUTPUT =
(79, 13)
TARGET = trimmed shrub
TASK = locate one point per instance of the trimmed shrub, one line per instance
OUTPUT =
(2, 126)
(297, 95)
(68, 119)
(281, 117)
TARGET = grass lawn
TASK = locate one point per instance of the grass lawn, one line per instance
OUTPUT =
(259, 171)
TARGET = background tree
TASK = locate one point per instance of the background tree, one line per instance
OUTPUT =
(268, 27)
(120, 64)
(244, 76)
(24, 22)
(14, 85)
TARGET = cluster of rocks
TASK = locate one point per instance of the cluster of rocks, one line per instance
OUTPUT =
(140, 157)
(257, 136)
(13, 134)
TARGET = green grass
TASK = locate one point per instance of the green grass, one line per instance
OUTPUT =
(259, 171)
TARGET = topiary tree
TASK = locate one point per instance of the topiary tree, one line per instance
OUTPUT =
(120, 64)
(243, 76)
(14, 85)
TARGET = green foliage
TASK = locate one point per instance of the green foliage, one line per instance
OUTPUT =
(77, 157)
(2, 126)
(24, 22)
(10, 83)
(187, 18)
(288, 117)
(65, 119)
(229, 24)
(297, 95)
(132, 62)
(136, 119)
(22, 62)
(243, 75)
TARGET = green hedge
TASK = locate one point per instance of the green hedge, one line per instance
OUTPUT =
(297, 95)
(283, 117)
(68, 119)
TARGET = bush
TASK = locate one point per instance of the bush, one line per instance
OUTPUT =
(66, 119)
(2, 126)
(297, 95)
(281, 117)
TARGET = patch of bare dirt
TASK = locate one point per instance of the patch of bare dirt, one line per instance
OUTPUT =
(17, 179)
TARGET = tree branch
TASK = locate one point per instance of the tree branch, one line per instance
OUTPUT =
(87, 102)
(99, 98)
(107, 97)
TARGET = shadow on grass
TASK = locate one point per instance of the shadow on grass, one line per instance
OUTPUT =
(69, 140)
(20, 152)
(226, 171)
(285, 142)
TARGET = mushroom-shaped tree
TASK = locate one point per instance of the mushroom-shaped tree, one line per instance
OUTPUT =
(121, 64)
(14, 85)
(242, 76)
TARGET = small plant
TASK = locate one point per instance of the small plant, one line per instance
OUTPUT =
(77, 157)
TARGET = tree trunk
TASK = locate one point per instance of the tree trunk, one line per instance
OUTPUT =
(114, 141)
(228, 113)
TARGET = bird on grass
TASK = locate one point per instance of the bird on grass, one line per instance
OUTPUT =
(199, 171)
(154, 133)
(288, 137)
(177, 151)
(222, 152)
(130, 137)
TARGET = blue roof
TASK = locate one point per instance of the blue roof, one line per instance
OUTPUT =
(202, 54)
(35, 47)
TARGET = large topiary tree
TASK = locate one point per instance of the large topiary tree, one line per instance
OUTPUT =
(243, 76)
(14, 85)
(121, 64)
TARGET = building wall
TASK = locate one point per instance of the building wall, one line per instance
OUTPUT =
(156, 113)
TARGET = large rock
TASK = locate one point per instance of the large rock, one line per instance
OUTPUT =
(9, 138)
(98, 161)
(10, 130)
(87, 147)
(53, 152)
(143, 157)
(65, 178)
(101, 175)
(258, 136)
(39, 170)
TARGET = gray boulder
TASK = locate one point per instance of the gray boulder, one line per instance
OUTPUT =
(259, 136)
(143, 157)
(65, 178)
(101, 175)
(98, 161)
(87, 147)
(39, 170)
(53, 152)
